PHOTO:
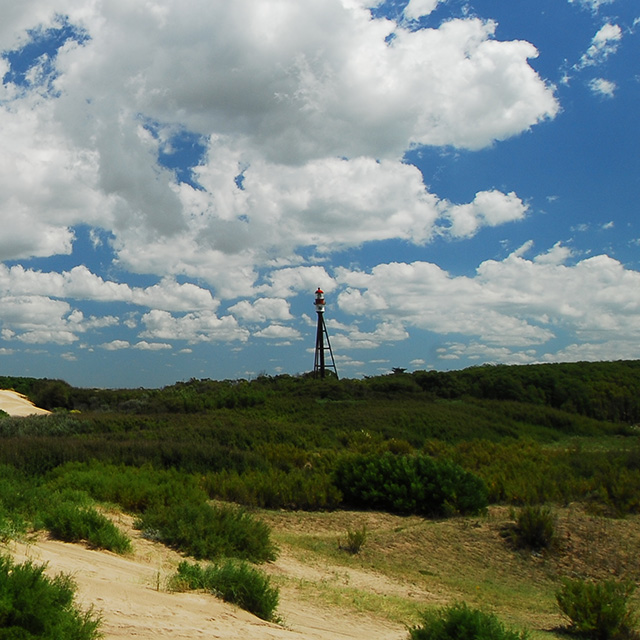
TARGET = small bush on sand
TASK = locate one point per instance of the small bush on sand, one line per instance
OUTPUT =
(460, 622)
(36, 606)
(234, 582)
(72, 522)
(598, 610)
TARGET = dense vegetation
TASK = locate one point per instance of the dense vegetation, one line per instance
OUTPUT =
(431, 443)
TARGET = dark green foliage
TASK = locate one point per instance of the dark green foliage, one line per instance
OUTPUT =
(71, 522)
(207, 532)
(598, 610)
(134, 489)
(234, 582)
(409, 484)
(36, 607)
(461, 622)
(535, 528)
(275, 489)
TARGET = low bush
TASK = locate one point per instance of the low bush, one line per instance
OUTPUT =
(207, 532)
(598, 610)
(535, 528)
(36, 606)
(409, 484)
(234, 582)
(460, 622)
(71, 522)
(355, 540)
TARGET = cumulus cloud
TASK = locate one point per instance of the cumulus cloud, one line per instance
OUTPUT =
(418, 8)
(602, 87)
(80, 283)
(39, 320)
(262, 310)
(278, 332)
(513, 303)
(192, 327)
(309, 101)
(489, 208)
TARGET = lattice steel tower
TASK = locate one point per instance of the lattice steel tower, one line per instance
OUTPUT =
(322, 341)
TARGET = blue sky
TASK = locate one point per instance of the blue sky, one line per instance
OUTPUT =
(177, 178)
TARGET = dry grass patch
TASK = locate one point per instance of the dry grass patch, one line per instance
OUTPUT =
(409, 563)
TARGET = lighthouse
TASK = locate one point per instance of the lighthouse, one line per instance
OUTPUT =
(322, 340)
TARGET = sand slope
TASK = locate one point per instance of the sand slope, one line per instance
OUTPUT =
(15, 404)
(130, 594)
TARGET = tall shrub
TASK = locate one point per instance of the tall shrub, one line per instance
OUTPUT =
(409, 484)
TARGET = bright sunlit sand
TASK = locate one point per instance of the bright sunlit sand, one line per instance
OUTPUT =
(15, 404)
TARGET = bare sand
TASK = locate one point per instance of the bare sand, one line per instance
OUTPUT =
(15, 404)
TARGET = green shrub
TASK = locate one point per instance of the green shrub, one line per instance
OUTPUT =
(71, 522)
(33, 605)
(275, 489)
(207, 532)
(598, 610)
(134, 489)
(535, 528)
(12, 526)
(355, 540)
(460, 622)
(409, 484)
(234, 582)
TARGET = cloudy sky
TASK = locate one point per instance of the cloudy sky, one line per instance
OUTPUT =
(177, 177)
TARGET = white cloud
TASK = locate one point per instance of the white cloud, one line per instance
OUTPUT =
(293, 280)
(514, 303)
(289, 89)
(602, 87)
(115, 345)
(489, 208)
(416, 9)
(594, 5)
(485, 354)
(192, 327)
(558, 254)
(278, 332)
(38, 320)
(604, 44)
(80, 283)
(262, 310)
(143, 345)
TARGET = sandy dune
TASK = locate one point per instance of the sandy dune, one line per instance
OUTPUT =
(15, 404)
(131, 596)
